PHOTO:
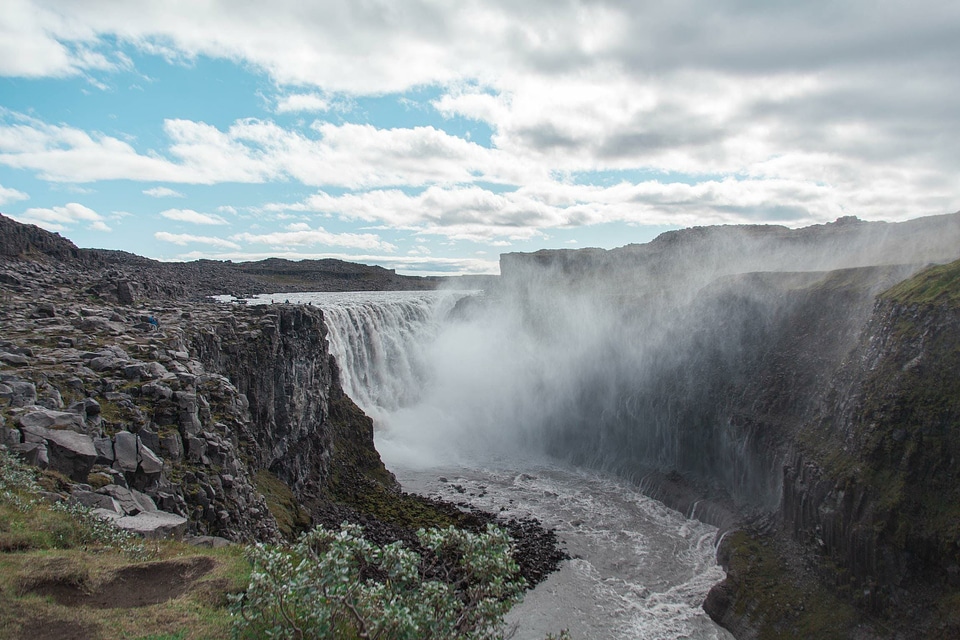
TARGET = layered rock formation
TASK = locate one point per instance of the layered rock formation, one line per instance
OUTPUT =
(168, 416)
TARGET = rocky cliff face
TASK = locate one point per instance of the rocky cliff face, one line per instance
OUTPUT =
(229, 418)
(870, 509)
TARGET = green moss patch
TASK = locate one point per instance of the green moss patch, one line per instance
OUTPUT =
(781, 602)
(291, 518)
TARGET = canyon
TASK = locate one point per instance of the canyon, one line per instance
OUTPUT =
(796, 388)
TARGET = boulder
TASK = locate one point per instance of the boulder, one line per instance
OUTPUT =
(150, 463)
(130, 454)
(91, 407)
(34, 453)
(130, 501)
(9, 436)
(210, 542)
(69, 452)
(189, 417)
(14, 359)
(105, 363)
(126, 292)
(149, 438)
(96, 500)
(125, 451)
(104, 447)
(156, 390)
(21, 394)
(44, 310)
(172, 446)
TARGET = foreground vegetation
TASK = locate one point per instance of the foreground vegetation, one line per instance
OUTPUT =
(66, 574)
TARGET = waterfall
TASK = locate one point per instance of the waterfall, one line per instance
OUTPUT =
(381, 341)
(379, 344)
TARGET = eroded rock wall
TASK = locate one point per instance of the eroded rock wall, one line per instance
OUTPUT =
(216, 414)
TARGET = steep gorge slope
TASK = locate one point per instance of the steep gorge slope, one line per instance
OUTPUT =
(819, 405)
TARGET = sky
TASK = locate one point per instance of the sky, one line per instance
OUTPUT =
(429, 136)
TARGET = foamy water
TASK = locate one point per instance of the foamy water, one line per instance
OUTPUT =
(638, 569)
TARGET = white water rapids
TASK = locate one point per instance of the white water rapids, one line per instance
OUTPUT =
(638, 569)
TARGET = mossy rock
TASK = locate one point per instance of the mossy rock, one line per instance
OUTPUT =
(292, 519)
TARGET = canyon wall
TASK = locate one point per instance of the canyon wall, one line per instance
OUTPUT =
(222, 420)
(808, 380)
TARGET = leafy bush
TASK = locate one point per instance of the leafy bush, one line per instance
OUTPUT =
(339, 585)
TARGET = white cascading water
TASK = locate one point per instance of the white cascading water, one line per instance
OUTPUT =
(444, 394)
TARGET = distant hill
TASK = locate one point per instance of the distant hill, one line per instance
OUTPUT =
(201, 278)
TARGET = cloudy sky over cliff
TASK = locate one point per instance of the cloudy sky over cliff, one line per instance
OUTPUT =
(431, 136)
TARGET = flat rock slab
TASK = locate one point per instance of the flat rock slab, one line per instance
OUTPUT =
(153, 525)
(48, 418)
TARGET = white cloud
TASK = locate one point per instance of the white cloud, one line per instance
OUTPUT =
(481, 215)
(302, 102)
(60, 218)
(11, 195)
(255, 151)
(193, 217)
(183, 239)
(850, 114)
(163, 192)
(317, 236)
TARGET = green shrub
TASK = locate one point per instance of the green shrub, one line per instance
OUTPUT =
(339, 585)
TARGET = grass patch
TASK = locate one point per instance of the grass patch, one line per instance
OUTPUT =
(35, 588)
(64, 573)
(936, 285)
